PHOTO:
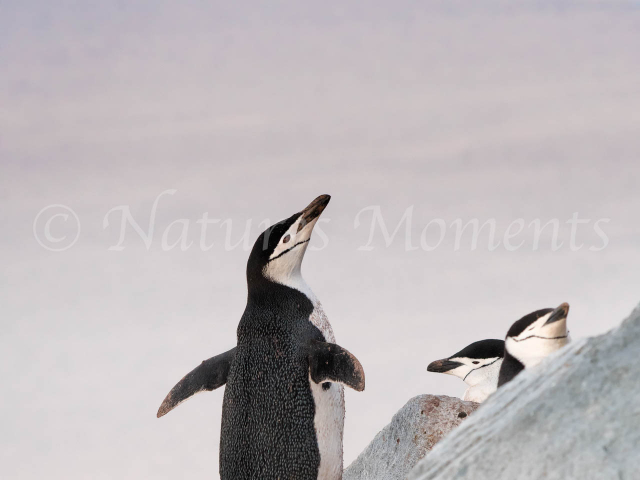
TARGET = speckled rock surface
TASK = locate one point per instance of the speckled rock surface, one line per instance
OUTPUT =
(413, 431)
(575, 416)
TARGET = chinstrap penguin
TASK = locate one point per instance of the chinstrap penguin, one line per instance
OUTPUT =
(532, 338)
(478, 365)
(283, 409)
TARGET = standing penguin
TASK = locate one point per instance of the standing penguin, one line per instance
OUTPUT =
(532, 338)
(283, 409)
(478, 365)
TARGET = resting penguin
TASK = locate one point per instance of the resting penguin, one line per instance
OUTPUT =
(477, 365)
(283, 408)
(532, 338)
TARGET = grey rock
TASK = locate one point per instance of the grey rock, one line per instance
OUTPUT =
(575, 416)
(413, 431)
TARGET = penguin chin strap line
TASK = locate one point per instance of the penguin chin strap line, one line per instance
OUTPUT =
(289, 249)
(465, 377)
(543, 338)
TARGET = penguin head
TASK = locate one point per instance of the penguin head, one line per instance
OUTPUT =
(278, 252)
(473, 363)
(538, 334)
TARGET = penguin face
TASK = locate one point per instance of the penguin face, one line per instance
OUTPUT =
(473, 363)
(538, 334)
(279, 250)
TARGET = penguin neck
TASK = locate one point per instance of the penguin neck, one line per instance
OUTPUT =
(292, 279)
(296, 282)
(511, 367)
(262, 286)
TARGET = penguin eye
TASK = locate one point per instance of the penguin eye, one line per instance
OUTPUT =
(286, 238)
(475, 362)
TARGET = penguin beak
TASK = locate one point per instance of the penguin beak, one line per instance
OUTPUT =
(443, 366)
(313, 211)
(558, 314)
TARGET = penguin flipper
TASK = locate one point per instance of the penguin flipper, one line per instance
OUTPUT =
(209, 375)
(331, 362)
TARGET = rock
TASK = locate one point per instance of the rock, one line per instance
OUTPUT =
(413, 431)
(576, 416)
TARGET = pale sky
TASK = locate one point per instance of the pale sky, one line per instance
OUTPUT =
(503, 110)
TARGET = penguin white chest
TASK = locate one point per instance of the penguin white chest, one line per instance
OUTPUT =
(478, 393)
(329, 416)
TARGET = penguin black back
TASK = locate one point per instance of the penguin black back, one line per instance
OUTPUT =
(268, 391)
